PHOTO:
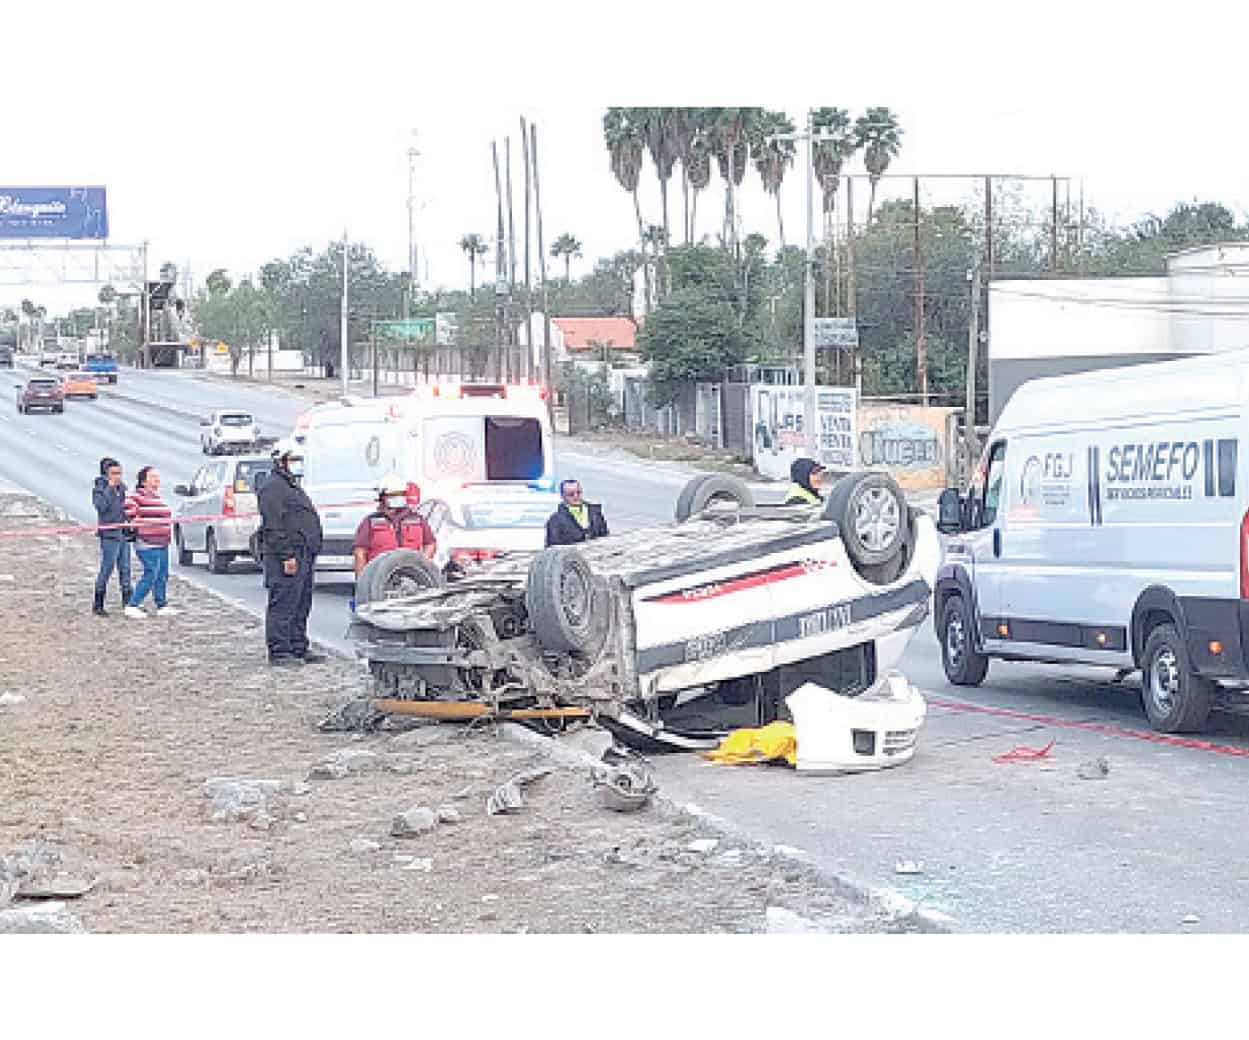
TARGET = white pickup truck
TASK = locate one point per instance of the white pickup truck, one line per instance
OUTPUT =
(677, 633)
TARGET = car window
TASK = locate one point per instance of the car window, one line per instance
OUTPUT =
(197, 481)
(234, 419)
(250, 476)
(217, 475)
(989, 493)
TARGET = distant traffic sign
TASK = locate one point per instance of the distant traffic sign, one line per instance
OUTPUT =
(838, 333)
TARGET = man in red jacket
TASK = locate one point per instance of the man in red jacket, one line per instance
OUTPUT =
(153, 520)
(395, 525)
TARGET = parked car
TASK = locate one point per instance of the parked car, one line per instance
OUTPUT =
(1108, 524)
(102, 366)
(67, 359)
(6, 357)
(43, 392)
(229, 432)
(80, 384)
(217, 513)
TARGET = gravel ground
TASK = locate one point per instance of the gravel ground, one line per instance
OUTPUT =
(105, 758)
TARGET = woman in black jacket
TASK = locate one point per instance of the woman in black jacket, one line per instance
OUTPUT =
(108, 495)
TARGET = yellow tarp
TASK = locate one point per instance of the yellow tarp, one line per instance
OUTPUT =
(745, 746)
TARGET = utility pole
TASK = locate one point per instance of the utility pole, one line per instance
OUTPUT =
(343, 348)
(499, 265)
(529, 365)
(546, 308)
(146, 318)
(1054, 226)
(808, 297)
(973, 351)
(921, 342)
(852, 295)
(410, 298)
(509, 314)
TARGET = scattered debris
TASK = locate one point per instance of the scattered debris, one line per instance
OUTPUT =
(327, 771)
(422, 734)
(364, 846)
(490, 897)
(1191, 919)
(507, 798)
(355, 716)
(357, 760)
(9, 699)
(420, 820)
(1025, 754)
(908, 866)
(448, 814)
(625, 782)
(300, 817)
(239, 798)
(1094, 769)
(702, 845)
(39, 918)
(785, 922)
(424, 865)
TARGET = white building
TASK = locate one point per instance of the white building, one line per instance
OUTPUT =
(1053, 326)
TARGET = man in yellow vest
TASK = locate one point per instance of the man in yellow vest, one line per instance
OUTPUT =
(576, 520)
(806, 476)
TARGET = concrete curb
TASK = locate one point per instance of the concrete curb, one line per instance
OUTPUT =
(900, 908)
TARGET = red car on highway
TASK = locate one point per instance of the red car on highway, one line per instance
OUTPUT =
(41, 392)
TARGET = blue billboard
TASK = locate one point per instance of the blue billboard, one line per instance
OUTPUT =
(53, 213)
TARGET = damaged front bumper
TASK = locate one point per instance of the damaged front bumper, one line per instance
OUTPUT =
(876, 729)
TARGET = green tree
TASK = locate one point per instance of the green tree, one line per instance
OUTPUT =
(626, 142)
(695, 160)
(730, 131)
(773, 156)
(879, 135)
(661, 130)
(473, 247)
(566, 246)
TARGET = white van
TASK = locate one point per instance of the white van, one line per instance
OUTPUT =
(475, 443)
(1108, 524)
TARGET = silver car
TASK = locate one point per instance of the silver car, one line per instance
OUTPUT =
(218, 511)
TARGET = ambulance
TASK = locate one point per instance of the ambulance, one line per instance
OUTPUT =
(478, 458)
(1108, 524)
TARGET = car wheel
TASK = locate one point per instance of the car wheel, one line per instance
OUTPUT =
(1175, 698)
(871, 513)
(59, 409)
(218, 562)
(712, 491)
(568, 609)
(400, 572)
(185, 556)
(963, 664)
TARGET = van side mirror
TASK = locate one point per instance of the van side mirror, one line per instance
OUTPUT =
(181, 489)
(949, 512)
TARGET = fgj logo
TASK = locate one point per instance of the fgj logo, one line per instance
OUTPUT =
(1046, 478)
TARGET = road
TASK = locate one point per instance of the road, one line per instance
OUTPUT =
(1005, 846)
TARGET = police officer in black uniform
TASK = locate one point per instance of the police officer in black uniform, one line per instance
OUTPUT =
(290, 536)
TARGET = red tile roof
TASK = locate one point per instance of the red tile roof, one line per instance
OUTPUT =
(579, 332)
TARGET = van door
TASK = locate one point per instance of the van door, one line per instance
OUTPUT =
(983, 542)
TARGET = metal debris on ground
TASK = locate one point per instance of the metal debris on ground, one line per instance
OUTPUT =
(508, 797)
(908, 866)
(419, 820)
(355, 716)
(1191, 919)
(1025, 754)
(9, 699)
(1094, 769)
(702, 845)
(625, 780)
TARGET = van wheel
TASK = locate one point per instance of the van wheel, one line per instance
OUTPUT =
(871, 512)
(963, 664)
(1176, 699)
(400, 572)
(713, 491)
(185, 556)
(567, 610)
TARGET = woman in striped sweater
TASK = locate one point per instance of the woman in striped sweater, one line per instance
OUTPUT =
(153, 521)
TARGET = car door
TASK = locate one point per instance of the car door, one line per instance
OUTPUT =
(981, 544)
(188, 507)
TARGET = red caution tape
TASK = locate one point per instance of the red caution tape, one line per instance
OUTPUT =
(1025, 754)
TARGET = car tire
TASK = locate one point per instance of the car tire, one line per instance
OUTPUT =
(400, 572)
(1175, 698)
(218, 562)
(964, 665)
(59, 409)
(568, 608)
(872, 515)
(710, 490)
(185, 556)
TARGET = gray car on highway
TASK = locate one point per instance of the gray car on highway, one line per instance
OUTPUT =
(218, 512)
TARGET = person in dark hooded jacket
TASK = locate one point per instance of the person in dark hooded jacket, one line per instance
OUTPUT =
(805, 475)
(108, 495)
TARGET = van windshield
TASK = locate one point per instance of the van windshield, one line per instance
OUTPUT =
(358, 453)
(478, 448)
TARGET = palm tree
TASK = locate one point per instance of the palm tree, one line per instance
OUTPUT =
(568, 247)
(696, 160)
(28, 312)
(773, 157)
(474, 246)
(730, 129)
(831, 154)
(656, 239)
(661, 131)
(626, 144)
(879, 135)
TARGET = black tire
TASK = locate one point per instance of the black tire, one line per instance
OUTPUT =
(1175, 698)
(400, 572)
(185, 556)
(860, 497)
(567, 609)
(963, 664)
(218, 562)
(59, 409)
(703, 491)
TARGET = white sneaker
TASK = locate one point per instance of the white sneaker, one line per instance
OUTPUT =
(168, 612)
(135, 612)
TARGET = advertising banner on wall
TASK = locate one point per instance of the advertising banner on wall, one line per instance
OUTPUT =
(78, 213)
(910, 441)
(777, 418)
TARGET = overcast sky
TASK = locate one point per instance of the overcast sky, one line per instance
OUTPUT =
(237, 132)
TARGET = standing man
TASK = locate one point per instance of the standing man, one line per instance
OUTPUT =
(807, 478)
(153, 521)
(395, 525)
(576, 520)
(290, 534)
(108, 495)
